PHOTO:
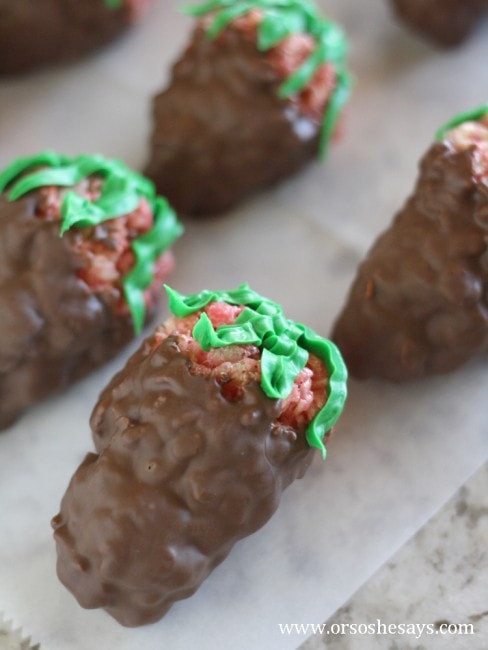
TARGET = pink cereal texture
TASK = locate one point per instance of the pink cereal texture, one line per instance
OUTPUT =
(473, 135)
(103, 252)
(234, 366)
(137, 8)
(286, 57)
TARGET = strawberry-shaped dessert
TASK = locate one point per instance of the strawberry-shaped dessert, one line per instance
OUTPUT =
(419, 303)
(256, 95)
(197, 437)
(445, 22)
(84, 247)
(35, 33)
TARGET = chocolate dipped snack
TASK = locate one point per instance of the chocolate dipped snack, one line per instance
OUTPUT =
(69, 303)
(445, 22)
(255, 96)
(35, 33)
(419, 303)
(197, 437)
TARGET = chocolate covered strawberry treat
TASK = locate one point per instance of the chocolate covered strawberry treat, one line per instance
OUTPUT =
(84, 247)
(256, 95)
(419, 303)
(445, 22)
(34, 33)
(197, 437)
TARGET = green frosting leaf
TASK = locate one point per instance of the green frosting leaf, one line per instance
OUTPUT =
(114, 4)
(285, 347)
(121, 193)
(468, 116)
(277, 24)
(282, 18)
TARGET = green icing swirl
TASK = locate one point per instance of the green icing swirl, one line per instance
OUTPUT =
(113, 4)
(282, 18)
(468, 116)
(284, 344)
(121, 193)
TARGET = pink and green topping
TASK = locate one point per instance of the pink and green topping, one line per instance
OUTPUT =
(469, 130)
(307, 52)
(238, 336)
(134, 227)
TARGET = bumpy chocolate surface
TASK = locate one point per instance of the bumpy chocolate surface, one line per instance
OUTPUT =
(419, 303)
(221, 131)
(181, 475)
(446, 22)
(53, 328)
(34, 33)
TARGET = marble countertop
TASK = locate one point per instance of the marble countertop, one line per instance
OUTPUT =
(398, 453)
(438, 579)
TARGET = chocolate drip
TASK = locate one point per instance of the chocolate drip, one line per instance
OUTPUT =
(182, 474)
(220, 130)
(34, 33)
(419, 303)
(53, 328)
(446, 22)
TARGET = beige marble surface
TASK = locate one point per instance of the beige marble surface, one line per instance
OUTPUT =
(438, 578)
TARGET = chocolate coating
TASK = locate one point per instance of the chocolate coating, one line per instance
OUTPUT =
(220, 130)
(419, 303)
(34, 33)
(53, 328)
(182, 474)
(446, 22)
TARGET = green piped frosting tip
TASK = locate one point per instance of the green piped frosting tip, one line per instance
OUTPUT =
(113, 4)
(280, 19)
(473, 115)
(121, 192)
(285, 346)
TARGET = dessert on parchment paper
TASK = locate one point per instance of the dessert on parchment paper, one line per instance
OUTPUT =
(69, 303)
(36, 33)
(219, 410)
(256, 95)
(419, 303)
(445, 22)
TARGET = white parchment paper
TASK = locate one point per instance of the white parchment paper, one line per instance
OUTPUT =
(399, 451)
